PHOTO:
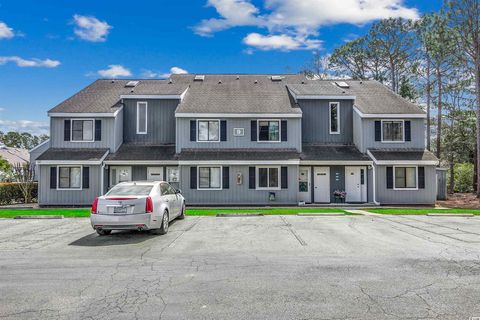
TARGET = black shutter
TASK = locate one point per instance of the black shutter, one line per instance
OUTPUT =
(193, 130)
(53, 177)
(223, 130)
(193, 177)
(389, 177)
(66, 130)
(251, 177)
(284, 177)
(421, 177)
(408, 131)
(253, 130)
(86, 178)
(378, 130)
(226, 177)
(284, 128)
(98, 130)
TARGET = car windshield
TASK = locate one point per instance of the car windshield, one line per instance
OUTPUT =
(130, 190)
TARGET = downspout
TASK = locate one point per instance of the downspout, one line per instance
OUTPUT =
(102, 179)
(374, 186)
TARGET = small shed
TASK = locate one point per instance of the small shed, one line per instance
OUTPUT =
(442, 183)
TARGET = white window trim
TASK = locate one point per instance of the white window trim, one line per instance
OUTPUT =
(393, 120)
(219, 130)
(210, 189)
(82, 119)
(330, 117)
(279, 131)
(257, 180)
(406, 189)
(146, 117)
(58, 178)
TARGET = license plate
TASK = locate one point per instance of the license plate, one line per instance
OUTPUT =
(120, 210)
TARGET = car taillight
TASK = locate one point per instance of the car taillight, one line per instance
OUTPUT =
(149, 205)
(95, 206)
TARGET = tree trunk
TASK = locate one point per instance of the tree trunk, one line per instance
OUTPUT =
(451, 187)
(394, 81)
(475, 166)
(439, 115)
(477, 88)
(428, 103)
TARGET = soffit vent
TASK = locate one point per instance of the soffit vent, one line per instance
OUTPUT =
(131, 84)
(199, 77)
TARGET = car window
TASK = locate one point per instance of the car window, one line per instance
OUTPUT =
(130, 190)
(171, 190)
(163, 189)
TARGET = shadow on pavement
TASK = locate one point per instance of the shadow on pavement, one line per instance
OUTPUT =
(114, 239)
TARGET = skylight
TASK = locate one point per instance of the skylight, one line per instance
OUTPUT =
(199, 77)
(276, 78)
(342, 84)
(131, 84)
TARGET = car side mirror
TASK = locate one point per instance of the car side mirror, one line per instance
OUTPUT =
(178, 191)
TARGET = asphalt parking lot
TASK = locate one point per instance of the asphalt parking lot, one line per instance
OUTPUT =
(272, 267)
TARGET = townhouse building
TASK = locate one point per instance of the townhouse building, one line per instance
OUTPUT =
(227, 139)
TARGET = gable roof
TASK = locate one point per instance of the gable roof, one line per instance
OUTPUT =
(103, 96)
(14, 155)
(238, 94)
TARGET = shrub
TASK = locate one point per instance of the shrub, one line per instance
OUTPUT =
(463, 178)
(10, 193)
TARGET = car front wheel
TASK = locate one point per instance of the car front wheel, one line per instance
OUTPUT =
(182, 213)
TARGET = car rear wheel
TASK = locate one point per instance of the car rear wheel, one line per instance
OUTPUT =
(164, 228)
(103, 232)
(182, 214)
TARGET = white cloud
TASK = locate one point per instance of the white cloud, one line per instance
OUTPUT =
(3, 109)
(114, 71)
(149, 74)
(90, 28)
(291, 22)
(25, 63)
(34, 127)
(173, 70)
(280, 42)
(5, 31)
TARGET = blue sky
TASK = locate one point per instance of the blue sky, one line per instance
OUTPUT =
(51, 49)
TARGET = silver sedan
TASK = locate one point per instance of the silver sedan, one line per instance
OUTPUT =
(137, 206)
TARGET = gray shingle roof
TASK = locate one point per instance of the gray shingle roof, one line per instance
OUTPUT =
(62, 154)
(134, 152)
(403, 154)
(238, 154)
(103, 96)
(372, 97)
(247, 94)
(331, 153)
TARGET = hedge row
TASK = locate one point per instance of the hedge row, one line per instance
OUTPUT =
(10, 193)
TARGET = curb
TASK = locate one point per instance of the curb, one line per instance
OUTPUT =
(38, 217)
(450, 215)
(320, 214)
(228, 215)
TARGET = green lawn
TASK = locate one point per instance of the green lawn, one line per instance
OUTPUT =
(423, 211)
(85, 212)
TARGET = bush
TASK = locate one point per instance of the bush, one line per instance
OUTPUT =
(463, 178)
(10, 193)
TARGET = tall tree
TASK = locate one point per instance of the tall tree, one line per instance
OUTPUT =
(464, 16)
(351, 59)
(318, 67)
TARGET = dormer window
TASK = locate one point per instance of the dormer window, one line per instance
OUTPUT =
(208, 130)
(82, 130)
(268, 130)
(393, 131)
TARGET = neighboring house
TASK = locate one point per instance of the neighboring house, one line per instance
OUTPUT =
(14, 156)
(240, 140)
(36, 151)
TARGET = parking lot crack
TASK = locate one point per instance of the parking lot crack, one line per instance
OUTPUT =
(292, 231)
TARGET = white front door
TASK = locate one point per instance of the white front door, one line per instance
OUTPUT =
(353, 184)
(322, 184)
(304, 191)
(155, 173)
(120, 174)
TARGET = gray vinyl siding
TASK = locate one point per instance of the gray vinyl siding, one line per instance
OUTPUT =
(160, 121)
(239, 194)
(37, 153)
(107, 141)
(358, 132)
(315, 122)
(421, 196)
(47, 196)
(294, 138)
(368, 136)
(118, 130)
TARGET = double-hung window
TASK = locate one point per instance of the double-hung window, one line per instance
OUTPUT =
(393, 131)
(268, 177)
(334, 120)
(142, 117)
(69, 177)
(405, 178)
(82, 130)
(208, 130)
(269, 130)
(209, 177)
